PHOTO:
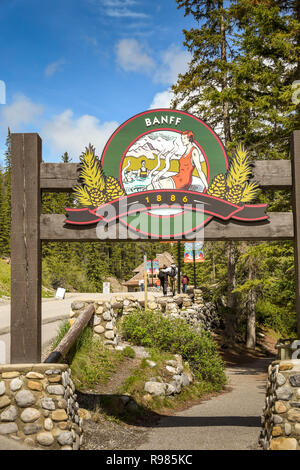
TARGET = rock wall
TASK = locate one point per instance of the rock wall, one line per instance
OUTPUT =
(191, 308)
(38, 406)
(173, 379)
(281, 415)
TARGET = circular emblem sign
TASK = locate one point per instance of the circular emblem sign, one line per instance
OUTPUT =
(166, 152)
(164, 174)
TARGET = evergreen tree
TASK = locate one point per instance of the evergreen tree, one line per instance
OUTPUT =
(6, 202)
(205, 90)
(245, 58)
(2, 225)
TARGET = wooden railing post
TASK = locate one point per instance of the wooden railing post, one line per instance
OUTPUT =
(26, 152)
(295, 157)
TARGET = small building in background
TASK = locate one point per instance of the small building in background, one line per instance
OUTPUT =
(133, 283)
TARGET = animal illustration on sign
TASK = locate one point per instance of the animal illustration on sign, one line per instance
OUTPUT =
(172, 163)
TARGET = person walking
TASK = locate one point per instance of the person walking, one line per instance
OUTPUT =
(142, 285)
(163, 277)
(172, 273)
(172, 276)
(184, 282)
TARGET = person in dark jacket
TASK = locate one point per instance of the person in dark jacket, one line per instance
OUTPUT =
(163, 277)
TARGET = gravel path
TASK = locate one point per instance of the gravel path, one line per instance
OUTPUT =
(230, 421)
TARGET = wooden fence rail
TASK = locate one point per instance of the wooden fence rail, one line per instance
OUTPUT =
(71, 336)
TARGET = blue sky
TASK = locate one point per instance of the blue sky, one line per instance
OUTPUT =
(76, 69)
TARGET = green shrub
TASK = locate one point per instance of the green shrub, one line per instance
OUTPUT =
(280, 319)
(152, 329)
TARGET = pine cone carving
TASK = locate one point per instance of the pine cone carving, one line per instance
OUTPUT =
(234, 194)
(97, 197)
(218, 186)
(113, 188)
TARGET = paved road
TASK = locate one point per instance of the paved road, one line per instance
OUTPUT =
(230, 421)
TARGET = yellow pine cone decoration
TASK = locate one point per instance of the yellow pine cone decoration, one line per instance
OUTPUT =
(96, 189)
(234, 186)
(218, 186)
(234, 194)
(97, 197)
(113, 188)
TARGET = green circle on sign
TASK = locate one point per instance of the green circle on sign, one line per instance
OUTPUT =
(161, 120)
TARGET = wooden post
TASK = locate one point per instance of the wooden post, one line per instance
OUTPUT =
(194, 267)
(178, 267)
(295, 157)
(145, 281)
(26, 152)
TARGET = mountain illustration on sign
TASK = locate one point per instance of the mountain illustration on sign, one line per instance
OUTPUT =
(96, 189)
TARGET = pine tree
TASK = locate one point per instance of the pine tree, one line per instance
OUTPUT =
(263, 114)
(245, 58)
(6, 203)
(205, 90)
(2, 225)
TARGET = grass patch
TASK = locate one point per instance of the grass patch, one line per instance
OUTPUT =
(90, 362)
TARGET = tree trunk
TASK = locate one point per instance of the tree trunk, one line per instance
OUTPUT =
(297, 11)
(251, 313)
(226, 117)
(214, 267)
(230, 318)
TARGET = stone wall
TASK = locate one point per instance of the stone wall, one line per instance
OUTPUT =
(281, 415)
(171, 381)
(191, 308)
(38, 406)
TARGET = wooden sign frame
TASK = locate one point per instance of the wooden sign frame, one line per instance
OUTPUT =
(29, 177)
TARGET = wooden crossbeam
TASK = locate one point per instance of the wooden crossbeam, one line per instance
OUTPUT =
(278, 227)
(269, 174)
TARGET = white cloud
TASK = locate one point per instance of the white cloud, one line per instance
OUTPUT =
(66, 133)
(174, 61)
(22, 111)
(121, 9)
(119, 3)
(124, 13)
(162, 100)
(134, 56)
(131, 56)
(53, 67)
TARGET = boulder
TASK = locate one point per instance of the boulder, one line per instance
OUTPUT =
(155, 388)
